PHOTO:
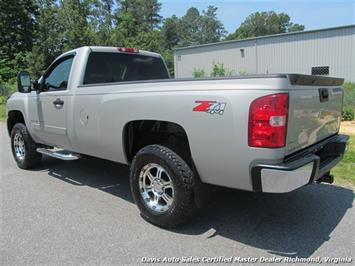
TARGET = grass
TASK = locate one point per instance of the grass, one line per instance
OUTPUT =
(6, 89)
(2, 108)
(344, 172)
(349, 96)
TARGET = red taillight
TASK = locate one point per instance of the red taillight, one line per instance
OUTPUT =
(268, 121)
(127, 50)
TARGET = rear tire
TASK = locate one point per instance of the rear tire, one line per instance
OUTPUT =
(24, 148)
(162, 186)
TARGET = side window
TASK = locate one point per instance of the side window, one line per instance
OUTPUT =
(58, 76)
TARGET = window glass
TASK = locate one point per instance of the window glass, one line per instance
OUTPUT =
(58, 78)
(117, 67)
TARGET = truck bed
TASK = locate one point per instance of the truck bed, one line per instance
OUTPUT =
(295, 79)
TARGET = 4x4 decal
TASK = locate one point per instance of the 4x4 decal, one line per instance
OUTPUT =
(211, 107)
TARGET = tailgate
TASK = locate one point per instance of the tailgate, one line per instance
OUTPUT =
(315, 105)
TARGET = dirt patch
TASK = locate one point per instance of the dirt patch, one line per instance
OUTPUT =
(347, 127)
(344, 183)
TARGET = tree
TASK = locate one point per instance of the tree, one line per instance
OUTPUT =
(194, 28)
(34, 32)
(136, 16)
(212, 29)
(265, 23)
(16, 25)
(101, 21)
(150, 13)
(170, 31)
(47, 41)
(6, 70)
(17, 22)
(295, 27)
(190, 28)
(73, 15)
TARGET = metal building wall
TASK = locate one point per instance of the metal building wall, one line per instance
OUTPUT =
(287, 53)
(203, 57)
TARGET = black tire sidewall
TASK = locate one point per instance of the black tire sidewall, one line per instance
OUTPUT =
(183, 203)
(31, 158)
(17, 129)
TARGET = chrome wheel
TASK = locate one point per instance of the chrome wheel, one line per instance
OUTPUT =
(19, 147)
(156, 188)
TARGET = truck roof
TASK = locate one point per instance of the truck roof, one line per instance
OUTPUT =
(109, 49)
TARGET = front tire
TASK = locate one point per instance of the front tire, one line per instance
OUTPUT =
(162, 186)
(24, 148)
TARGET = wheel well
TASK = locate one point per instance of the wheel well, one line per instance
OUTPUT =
(140, 133)
(13, 118)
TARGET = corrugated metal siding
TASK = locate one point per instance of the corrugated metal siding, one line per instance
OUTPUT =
(203, 58)
(295, 53)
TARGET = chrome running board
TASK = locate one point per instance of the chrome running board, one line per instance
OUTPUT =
(59, 154)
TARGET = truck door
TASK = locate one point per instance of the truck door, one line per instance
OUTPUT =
(49, 108)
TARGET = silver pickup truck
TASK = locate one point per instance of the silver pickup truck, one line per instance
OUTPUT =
(265, 133)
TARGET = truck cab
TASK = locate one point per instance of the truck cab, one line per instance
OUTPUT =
(51, 104)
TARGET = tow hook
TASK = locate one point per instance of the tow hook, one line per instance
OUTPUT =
(327, 178)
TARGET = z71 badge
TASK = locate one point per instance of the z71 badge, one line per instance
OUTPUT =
(211, 107)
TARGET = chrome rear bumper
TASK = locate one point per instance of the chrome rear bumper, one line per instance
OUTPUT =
(301, 168)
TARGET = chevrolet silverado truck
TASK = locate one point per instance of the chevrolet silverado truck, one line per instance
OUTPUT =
(263, 133)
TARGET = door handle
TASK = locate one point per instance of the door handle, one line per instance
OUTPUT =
(58, 102)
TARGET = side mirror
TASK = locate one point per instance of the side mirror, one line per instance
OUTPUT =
(23, 82)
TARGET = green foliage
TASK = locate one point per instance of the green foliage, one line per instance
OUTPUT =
(2, 108)
(211, 28)
(137, 16)
(34, 32)
(194, 28)
(36, 62)
(48, 38)
(101, 21)
(6, 67)
(349, 102)
(265, 23)
(17, 26)
(7, 88)
(345, 169)
(199, 73)
(349, 96)
(347, 115)
(149, 11)
(2, 100)
(169, 61)
(73, 16)
(219, 70)
(243, 73)
(189, 28)
(170, 32)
